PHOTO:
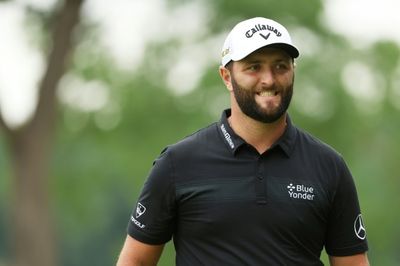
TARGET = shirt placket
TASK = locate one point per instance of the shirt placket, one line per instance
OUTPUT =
(260, 182)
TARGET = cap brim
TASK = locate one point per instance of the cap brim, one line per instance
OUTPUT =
(290, 49)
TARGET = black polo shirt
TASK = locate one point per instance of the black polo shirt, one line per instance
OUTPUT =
(225, 204)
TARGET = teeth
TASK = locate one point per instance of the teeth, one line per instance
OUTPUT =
(268, 93)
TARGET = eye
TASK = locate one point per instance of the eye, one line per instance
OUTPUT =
(254, 67)
(281, 66)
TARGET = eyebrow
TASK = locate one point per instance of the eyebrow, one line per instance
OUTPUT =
(250, 61)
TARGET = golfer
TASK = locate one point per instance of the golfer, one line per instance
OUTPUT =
(252, 188)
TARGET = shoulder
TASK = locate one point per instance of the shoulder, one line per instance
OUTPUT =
(318, 151)
(193, 143)
(321, 158)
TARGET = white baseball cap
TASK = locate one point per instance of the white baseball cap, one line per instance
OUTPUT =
(252, 34)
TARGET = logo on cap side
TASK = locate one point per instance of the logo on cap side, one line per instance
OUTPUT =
(225, 52)
(261, 27)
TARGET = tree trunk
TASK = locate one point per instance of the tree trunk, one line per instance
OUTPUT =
(34, 235)
(32, 221)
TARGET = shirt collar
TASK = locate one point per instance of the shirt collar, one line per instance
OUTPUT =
(288, 140)
(232, 141)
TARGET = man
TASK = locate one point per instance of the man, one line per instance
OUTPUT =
(251, 189)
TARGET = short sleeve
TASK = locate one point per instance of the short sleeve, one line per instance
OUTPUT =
(152, 219)
(346, 234)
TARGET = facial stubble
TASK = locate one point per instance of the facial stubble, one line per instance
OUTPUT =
(249, 106)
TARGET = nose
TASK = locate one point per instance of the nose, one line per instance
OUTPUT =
(267, 78)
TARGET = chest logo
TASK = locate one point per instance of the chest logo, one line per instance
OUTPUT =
(301, 192)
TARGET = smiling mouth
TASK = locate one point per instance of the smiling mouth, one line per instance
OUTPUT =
(268, 93)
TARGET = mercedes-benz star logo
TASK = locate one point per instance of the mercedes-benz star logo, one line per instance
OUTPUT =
(359, 228)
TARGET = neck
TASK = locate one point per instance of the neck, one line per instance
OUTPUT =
(258, 134)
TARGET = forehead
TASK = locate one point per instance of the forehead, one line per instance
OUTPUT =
(268, 53)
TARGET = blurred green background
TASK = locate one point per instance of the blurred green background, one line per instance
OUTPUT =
(113, 119)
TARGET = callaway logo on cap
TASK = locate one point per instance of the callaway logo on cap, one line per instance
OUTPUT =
(252, 34)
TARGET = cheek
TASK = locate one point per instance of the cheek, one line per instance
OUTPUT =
(247, 82)
(286, 80)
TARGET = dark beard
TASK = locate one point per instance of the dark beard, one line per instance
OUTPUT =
(249, 106)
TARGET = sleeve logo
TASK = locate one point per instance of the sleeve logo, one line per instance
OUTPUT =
(359, 228)
(140, 209)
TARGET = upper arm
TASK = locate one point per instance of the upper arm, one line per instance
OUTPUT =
(346, 234)
(136, 253)
(353, 260)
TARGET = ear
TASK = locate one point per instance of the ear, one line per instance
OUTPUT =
(226, 77)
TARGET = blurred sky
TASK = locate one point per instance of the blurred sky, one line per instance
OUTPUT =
(128, 26)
